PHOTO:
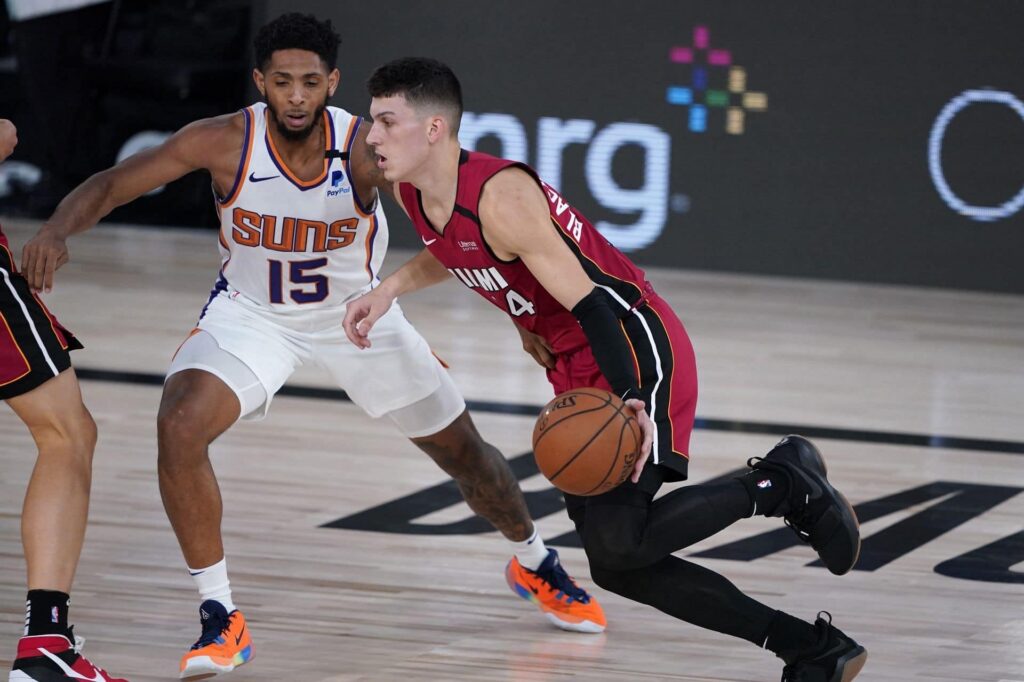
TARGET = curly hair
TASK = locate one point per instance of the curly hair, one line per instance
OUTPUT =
(297, 31)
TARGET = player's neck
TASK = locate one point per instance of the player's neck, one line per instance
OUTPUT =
(438, 182)
(299, 151)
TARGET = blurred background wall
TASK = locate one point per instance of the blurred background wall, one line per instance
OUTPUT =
(869, 141)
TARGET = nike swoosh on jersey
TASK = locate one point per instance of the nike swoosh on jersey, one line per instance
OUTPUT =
(253, 178)
(69, 672)
(426, 242)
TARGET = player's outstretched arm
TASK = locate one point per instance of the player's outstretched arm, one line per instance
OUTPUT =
(516, 222)
(419, 272)
(8, 138)
(195, 146)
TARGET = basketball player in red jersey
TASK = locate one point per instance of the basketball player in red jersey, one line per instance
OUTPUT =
(296, 189)
(510, 237)
(38, 383)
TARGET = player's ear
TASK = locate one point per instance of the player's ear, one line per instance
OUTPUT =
(437, 128)
(333, 79)
(257, 78)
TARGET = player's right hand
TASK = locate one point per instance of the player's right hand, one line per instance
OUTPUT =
(41, 257)
(647, 429)
(362, 313)
(8, 138)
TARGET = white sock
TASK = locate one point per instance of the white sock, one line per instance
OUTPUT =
(212, 583)
(531, 552)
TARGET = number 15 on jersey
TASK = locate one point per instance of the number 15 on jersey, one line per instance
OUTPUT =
(312, 287)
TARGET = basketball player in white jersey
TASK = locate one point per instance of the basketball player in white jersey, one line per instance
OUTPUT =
(302, 232)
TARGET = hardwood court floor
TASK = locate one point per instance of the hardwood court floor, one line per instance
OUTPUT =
(865, 368)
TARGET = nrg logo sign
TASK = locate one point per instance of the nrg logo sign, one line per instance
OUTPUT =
(715, 83)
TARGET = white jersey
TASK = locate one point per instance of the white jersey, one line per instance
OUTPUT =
(289, 244)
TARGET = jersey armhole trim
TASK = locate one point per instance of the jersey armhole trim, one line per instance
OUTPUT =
(349, 141)
(476, 219)
(243, 162)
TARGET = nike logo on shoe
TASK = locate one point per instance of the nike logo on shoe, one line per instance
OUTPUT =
(99, 677)
(238, 637)
(253, 178)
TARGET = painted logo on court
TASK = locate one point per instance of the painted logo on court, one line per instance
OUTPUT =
(715, 82)
(914, 512)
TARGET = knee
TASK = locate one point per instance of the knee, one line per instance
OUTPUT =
(614, 537)
(180, 430)
(613, 551)
(610, 580)
(70, 436)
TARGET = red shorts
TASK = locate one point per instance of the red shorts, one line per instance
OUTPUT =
(33, 346)
(668, 379)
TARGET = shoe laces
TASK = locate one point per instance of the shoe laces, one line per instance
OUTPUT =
(794, 672)
(79, 643)
(558, 580)
(212, 629)
(76, 642)
(798, 521)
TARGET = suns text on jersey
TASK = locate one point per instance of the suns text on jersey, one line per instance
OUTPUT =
(294, 234)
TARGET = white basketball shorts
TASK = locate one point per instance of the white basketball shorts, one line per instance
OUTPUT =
(397, 371)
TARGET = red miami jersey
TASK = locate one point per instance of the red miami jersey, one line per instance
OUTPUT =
(509, 285)
(662, 353)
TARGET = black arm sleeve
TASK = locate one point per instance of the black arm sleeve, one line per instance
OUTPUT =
(608, 343)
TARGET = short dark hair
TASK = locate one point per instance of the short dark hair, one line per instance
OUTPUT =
(422, 81)
(295, 31)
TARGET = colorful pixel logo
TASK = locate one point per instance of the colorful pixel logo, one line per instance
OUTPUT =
(707, 63)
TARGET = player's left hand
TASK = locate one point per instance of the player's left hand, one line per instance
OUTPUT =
(362, 313)
(647, 430)
(537, 347)
(41, 257)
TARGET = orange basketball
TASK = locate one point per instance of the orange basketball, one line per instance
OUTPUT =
(586, 441)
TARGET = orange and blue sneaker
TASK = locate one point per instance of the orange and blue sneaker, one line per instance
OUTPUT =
(224, 645)
(560, 599)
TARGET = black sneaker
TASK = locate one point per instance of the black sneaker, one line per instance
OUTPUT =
(835, 657)
(817, 512)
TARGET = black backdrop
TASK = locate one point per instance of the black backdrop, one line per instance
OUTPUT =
(830, 179)
(880, 141)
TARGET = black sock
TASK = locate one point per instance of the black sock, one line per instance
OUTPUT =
(787, 636)
(766, 488)
(46, 613)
